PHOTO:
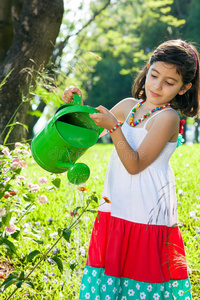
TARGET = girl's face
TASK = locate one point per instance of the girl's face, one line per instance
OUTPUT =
(163, 83)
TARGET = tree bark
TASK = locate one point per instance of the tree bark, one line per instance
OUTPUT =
(6, 30)
(35, 35)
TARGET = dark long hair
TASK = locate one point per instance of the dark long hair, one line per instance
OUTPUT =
(182, 55)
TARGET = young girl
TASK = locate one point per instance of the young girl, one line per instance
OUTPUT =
(136, 249)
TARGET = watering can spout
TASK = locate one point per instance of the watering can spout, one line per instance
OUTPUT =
(63, 165)
(66, 137)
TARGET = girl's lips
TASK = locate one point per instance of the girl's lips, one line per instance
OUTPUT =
(154, 94)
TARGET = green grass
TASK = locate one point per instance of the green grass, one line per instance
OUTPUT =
(186, 165)
(47, 278)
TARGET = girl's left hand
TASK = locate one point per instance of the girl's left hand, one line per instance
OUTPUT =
(68, 96)
(104, 118)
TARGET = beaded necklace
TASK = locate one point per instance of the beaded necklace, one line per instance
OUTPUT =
(133, 124)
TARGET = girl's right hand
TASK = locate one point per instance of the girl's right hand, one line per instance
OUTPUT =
(68, 96)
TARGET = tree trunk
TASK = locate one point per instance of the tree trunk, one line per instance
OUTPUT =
(6, 31)
(32, 46)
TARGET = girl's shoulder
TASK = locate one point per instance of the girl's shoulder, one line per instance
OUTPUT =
(127, 104)
(167, 120)
(123, 108)
(129, 101)
(169, 114)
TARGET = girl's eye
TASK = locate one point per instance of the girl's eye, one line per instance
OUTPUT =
(154, 76)
(169, 83)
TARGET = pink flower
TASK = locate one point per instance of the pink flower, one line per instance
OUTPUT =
(15, 163)
(27, 152)
(23, 164)
(34, 187)
(6, 152)
(18, 144)
(17, 151)
(2, 211)
(15, 160)
(42, 199)
(11, 229)
(42, 180)
(20, 177)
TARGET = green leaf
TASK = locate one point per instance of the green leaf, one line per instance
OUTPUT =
(15, 235)
(18, 170)
(76, 210)
(6, 218)
(60, 231)
(94, 198)
(27, 205)
(21, 276)
(18, 123)
(10, 282)
(36, 113)
(28, 197)
(58, 261)
(1, 194)
(91, 210)
(32, 254)
(19, 284)
(5, 79)
(38, 241)
(30, 284)
(66, 235)
(11, 276)
(56, 182)
(8, 244)
(36, 234)
(11, 279)
(73, 266)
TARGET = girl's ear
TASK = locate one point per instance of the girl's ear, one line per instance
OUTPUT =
(185, 88)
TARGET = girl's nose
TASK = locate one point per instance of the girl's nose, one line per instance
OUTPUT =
(158, 85)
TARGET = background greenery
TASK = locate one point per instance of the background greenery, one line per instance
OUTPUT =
(104, 57)
(122, 37)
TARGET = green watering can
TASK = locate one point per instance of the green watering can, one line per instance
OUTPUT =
(66, 136)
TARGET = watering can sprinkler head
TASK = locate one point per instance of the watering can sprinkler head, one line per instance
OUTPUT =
(66, 137)
(78, 173)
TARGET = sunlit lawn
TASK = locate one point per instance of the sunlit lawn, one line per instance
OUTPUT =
(47, 218)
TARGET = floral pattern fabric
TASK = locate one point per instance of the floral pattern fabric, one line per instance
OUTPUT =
(98, 286)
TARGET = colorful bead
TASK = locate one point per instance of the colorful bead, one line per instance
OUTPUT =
(133, 124)
(115, 127)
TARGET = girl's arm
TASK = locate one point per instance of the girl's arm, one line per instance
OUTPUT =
(123, 108)
(120, 110)
(164, 127)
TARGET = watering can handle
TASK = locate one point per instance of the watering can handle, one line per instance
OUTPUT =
(77, 99)
(59, 113)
